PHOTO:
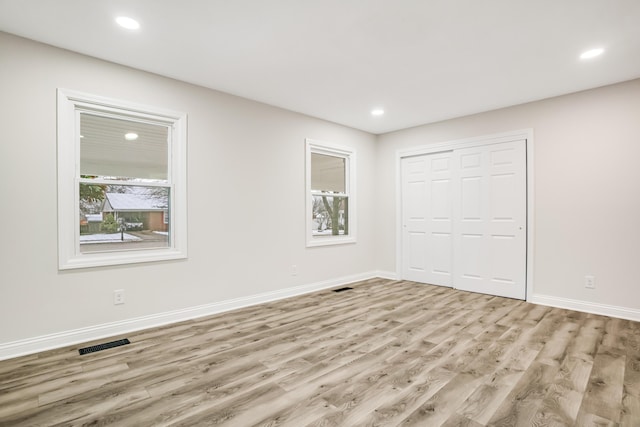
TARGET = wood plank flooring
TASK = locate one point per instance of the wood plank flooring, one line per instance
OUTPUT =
(383, 354)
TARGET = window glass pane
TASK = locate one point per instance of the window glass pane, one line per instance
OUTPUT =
(328, 173)
(330, 215)
(122, 149)
(123, 217)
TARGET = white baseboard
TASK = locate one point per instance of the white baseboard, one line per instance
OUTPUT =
(66, 338)
(588, 307)
(62, 339)
(391, 275)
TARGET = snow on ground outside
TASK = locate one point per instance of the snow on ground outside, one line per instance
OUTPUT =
(107, 238)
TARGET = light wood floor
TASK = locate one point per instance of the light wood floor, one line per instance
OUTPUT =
(383, 354)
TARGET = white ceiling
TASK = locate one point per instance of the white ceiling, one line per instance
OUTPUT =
(420, 60)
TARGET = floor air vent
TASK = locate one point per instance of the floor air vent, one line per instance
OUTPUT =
(104, 346)
(342, 289)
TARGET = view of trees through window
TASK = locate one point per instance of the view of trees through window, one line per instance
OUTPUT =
(329, 198)
(330, 214)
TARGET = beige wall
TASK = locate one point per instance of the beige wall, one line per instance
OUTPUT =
(587, 189)
(245, 199)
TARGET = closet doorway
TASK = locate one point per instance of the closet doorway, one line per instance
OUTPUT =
(464, 216)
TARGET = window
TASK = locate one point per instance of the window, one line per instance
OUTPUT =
(330, 194)
(121, 182)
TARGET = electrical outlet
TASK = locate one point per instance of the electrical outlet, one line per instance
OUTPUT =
(590, 282)
(294, 270)
(118, 296)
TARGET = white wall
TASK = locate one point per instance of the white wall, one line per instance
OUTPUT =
(245, 199)
(587, 192)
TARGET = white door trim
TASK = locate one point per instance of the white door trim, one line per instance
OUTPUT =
(465, 143)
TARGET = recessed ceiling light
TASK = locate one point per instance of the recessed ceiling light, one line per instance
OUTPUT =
(591, 53)
(377, 112)
(128, 23)
(131, 136)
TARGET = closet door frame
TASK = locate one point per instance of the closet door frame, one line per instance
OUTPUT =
(526, 134)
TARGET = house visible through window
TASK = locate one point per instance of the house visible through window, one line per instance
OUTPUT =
(116, 156)
(331, 202)
(128, 168)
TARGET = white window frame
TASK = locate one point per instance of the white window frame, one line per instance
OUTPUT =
(349, 154)
(70, 104)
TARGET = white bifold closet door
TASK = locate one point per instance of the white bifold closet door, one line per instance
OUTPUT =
(464, 219)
